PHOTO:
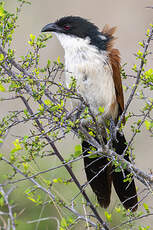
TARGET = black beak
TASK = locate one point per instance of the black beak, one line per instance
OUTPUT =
(52, 27)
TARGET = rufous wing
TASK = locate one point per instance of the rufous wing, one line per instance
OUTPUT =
(114, 58)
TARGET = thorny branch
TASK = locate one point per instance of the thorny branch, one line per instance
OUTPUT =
(132, 219)
(10, 207)
(142, 63)
(68, 168)
(47, 191)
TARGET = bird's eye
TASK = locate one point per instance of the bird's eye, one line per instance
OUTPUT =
(66, 27)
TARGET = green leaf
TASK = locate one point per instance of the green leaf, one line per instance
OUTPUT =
(117, 169)
(26, 166)
(1, 57)
(32, 37)
(48, 63)
(134, 68)
(2, 11)
(32, 199)
(78, 150)
(146, 207)
(58, 60)
(108, 216)
(101, 109)
(17, 146)
(125, 87)
(2, 88)
(1, 201)
(148, 124)
(47, 102)
(148, 32)
(57, 180)
(1, 155)
(118, 209)
(93, 155)
(41, 107)
(141, 44)
(144, 228)
(63, 222)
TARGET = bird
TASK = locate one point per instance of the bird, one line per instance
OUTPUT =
(90, 57)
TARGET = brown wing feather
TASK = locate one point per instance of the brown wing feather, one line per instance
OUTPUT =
(108, 32)
(115, 63)
(114, 57)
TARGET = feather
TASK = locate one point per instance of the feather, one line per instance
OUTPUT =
(114, 58)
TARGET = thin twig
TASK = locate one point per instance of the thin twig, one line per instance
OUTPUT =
(68, 168)
(10, 207)
(138, 77)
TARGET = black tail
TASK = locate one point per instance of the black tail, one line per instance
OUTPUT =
(126, 191)
(100, 174)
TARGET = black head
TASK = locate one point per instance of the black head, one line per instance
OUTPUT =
(72, 25)
(80, 27)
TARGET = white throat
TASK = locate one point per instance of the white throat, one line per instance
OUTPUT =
(79, 50)
(70, 41)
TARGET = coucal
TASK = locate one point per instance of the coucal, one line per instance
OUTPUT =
(91, 59)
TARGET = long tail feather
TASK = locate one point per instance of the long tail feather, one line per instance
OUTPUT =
(100, 174)
(98, 171)
(126, 191)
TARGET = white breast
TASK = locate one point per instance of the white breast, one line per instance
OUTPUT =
(93, 73)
